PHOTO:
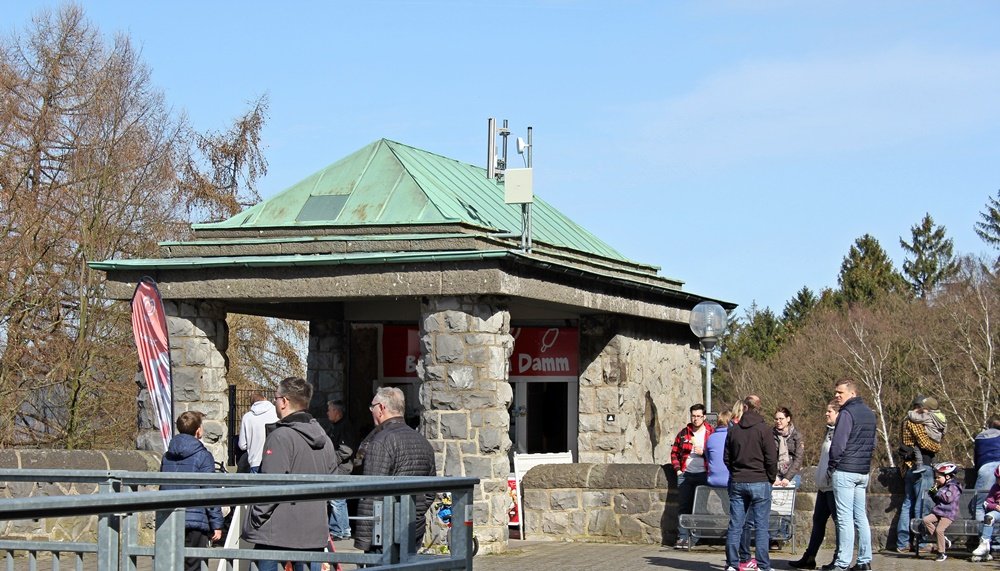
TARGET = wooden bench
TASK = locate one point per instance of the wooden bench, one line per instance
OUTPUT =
(965, 526)
(709, 517)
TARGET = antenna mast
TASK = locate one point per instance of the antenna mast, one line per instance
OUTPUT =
(517, 182)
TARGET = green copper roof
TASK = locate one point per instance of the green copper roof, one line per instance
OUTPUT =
(388, 183)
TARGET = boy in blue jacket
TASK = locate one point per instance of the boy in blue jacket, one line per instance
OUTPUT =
(186, 453)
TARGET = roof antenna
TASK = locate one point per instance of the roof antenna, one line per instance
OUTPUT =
(517, 182)
(495, 166)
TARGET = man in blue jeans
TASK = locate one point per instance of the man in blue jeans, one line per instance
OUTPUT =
(752, 458)
(850, 462)
(916, 481)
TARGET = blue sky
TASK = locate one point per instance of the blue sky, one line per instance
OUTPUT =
(740, 146)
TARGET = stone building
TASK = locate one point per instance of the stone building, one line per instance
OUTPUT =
(408, 268)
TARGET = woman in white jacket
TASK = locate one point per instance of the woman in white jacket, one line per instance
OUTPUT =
(825, 506)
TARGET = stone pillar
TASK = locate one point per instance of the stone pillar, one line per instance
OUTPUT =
(198, 341)
(645, 374)
(465, 351)
(326, 366)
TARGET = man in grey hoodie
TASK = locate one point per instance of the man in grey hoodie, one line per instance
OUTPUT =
(253, 429)
(297, 445)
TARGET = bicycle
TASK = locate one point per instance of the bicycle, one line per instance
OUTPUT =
(437, 537)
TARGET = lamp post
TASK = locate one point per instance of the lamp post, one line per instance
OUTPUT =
(708, 321)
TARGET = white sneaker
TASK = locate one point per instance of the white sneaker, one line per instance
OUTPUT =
(983, 549)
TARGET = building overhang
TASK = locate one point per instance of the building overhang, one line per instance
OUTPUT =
(264, 280)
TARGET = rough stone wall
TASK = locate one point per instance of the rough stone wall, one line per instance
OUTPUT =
(198, 341)
(325, 366)
(647, 375)
(614, 503)
(83, 528)
(465, 347)
(625, 502)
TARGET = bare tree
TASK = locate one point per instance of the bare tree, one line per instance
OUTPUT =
(88, 172)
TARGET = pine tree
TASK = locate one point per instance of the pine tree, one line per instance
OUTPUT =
(798, 308)
(867, 273)
(989, 227)
(932, 259)
(757, 335)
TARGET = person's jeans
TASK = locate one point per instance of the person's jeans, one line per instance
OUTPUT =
(987, 532)
(984, 479)
(280, 565)
(849, 491)
(916, 503)
(686, 485)
(749, 499)
(824, 510)
(340, 525)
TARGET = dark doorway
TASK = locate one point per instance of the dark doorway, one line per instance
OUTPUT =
(546, 417)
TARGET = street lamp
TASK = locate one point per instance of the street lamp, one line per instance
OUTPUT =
(708, 321)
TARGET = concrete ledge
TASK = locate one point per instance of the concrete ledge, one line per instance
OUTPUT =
(628, 503)
(64, 529)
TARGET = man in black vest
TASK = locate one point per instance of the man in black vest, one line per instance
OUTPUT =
(850, 462)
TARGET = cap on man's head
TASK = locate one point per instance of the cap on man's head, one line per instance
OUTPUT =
(930, 403)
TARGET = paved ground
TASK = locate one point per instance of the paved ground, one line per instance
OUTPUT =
(551, 556)
(557, 556)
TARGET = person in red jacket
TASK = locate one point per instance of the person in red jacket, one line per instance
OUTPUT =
(687, 456)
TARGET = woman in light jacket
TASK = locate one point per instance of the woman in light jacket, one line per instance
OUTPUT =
(825, 508)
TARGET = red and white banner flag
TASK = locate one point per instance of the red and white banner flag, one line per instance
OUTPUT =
(149, 325)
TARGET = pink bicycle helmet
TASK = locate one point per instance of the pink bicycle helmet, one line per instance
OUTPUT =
(945, 468)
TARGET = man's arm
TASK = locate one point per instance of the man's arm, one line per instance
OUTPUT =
(770, 455)
(276, 460)
(378, 459)
(675, 450)
(840, 433)
(244, 429)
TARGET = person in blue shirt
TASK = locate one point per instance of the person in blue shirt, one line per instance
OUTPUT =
(186, 453)
(715, 446)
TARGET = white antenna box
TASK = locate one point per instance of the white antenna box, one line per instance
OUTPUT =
(517, 186)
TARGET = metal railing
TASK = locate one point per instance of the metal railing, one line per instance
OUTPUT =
(120, 501)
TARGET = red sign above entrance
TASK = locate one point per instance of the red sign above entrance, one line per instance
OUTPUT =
(545, 352)
(538, 352)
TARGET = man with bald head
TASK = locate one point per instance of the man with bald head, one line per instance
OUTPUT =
(752, 458)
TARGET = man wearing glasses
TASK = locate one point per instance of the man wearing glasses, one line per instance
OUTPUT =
(297, 445)
(687, 456)
(392, 449)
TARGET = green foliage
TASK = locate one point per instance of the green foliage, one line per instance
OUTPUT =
(931, 261)
(988, 227)
(757, 335)
(798, 308)
(867, 273)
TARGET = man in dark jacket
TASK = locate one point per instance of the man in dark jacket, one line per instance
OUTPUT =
(752, 458)
(850, 462)
(392, 449)
(297, 445)
(186, 453)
